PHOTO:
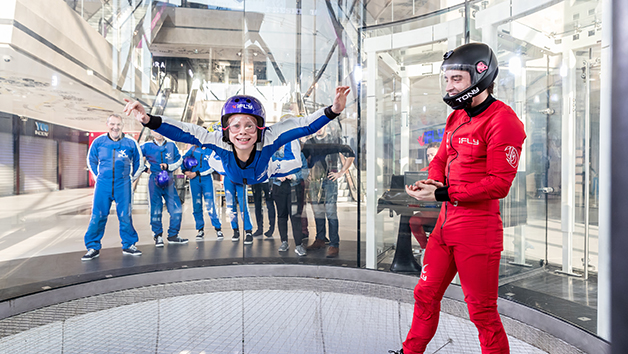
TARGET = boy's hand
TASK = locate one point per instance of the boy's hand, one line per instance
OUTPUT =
(136, 108)
(340, 100)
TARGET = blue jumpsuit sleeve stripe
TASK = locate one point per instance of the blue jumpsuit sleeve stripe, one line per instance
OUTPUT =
(137, 158)
(92, 157)
(177, 157)
(290, 129)
(191, 134)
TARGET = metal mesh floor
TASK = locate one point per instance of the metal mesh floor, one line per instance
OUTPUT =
(237, 315)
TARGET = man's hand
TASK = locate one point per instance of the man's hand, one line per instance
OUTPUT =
(190, 174)
(164, 166)
(138, 111)
(432, 182)
(335, 175)
(421, 191)
(340, 100)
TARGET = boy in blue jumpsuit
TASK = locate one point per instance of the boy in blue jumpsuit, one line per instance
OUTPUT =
(202, 186)
(163, 155)
(246, 145)
(112, 158)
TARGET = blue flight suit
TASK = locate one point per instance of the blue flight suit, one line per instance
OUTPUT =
(273, 137)
(202, 186)
(157, 154)
(112, 163)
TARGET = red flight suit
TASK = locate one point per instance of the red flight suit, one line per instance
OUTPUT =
(477, 163)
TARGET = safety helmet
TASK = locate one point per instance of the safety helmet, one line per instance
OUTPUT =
(190, 162)
(243, 104)
(163, 179)
(479, 61)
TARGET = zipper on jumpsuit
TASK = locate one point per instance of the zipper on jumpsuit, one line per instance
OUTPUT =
(113, 174)
(200, 167)
(451, 143)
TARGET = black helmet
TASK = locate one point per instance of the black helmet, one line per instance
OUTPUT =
(479, 61)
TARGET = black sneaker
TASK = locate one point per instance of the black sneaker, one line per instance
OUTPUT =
(177, 240)
(200, 234)
(219, 235)
(269, 233)
(91, 254)
(159, 240)
(236, 235)
(248, 239)
(258, 232)
(132, 251)
(395, 351)
(327, 240)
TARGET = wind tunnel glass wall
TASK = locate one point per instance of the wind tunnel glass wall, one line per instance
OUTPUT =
(549, 74)
(64, 75)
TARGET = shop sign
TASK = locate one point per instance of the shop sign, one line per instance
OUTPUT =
(42, 129)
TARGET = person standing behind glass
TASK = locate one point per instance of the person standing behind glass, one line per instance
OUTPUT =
(196, 167)
(163, 155)
(324, 175)
(425, 218)
(112, 158)
(258, 190)
(282, 194)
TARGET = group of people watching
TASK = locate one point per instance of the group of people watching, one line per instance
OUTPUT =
(246, 154)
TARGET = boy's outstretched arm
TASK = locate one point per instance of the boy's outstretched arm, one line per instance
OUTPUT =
(138, 111)
(340, 99)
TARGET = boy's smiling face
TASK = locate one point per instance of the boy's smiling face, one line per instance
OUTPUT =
(242, 131)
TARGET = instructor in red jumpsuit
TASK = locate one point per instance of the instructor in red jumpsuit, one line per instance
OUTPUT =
(473, 169)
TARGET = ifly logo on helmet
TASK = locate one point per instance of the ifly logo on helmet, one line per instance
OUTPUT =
(244, 105)
(474, 91)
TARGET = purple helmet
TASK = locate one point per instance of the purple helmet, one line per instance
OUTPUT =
(190, 162)
(243, 104)
(163, 179)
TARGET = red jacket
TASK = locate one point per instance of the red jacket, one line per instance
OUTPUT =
(478, 163)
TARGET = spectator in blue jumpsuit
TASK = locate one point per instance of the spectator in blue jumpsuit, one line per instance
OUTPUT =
(163, 155)
(202, 187)
(113, 158)
(246, 144)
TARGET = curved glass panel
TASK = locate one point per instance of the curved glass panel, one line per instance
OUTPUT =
(68, 65)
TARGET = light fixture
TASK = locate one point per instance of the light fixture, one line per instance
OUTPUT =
(514, 65)
(357, 73)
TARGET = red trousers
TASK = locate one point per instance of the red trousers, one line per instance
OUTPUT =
(478, 267)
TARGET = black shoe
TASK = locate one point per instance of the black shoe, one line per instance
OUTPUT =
(258, 232)
(326, 240)
(248, 239)
(91, 254)
(236, 235)
(396, 352)
(159, 241)
(200, 234)
(177, 240)
(219, 235)
(269, 233)
(132, 251)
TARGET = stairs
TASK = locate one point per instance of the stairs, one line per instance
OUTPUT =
(176, 105)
